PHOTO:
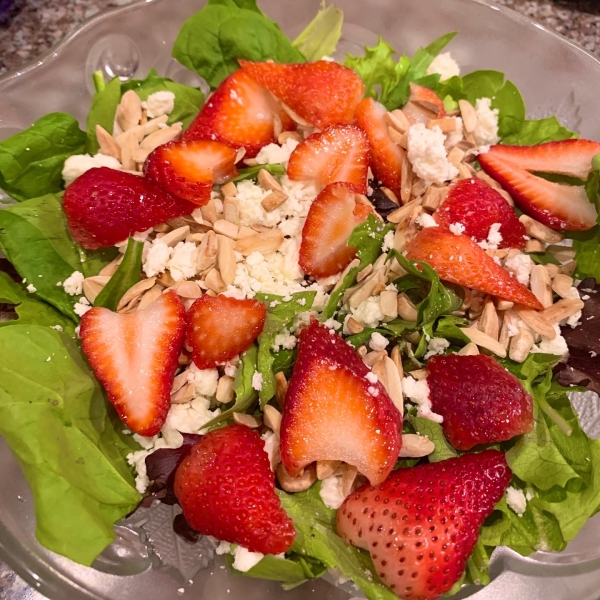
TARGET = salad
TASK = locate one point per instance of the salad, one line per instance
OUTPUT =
(333, 310)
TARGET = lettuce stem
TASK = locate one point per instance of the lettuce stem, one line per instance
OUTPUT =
(555, 417)
(98, 79)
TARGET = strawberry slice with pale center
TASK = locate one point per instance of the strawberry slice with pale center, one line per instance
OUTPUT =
(423, 105)
(338, 153)
(386, 157)
(324, 249)
(561, 207)
(220, 328)
(458, 259)
(336, 410)
(240, 114)
(135, 356)
(189, 169)
(322, 93)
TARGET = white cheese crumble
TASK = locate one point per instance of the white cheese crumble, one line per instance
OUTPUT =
(244, 560)
(494, 238)
(371, 377)
(388, 241)
(331, 492)
(284, 340)
(223, 548)
(272, 154)
(157, 257)
(78, 164)
(31, 288)
(82, 306)
(444, 65)
(557, 346)
(520, 267)
(205, 380)
(377, 342)
(73, 284)
(516, 500)
(457, 228)
(486, 132)
(428, 155)
(575, 318)
(183, 261)
(160, 103)
(425, 220)
(257, 381)
(418, 392)
(436, 346)
(271, 448)
(368, 312)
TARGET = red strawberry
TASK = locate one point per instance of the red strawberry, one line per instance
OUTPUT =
(457, 258)
(226, 489)
(339, 153)
(333, 412)
(322, 93)
(105, 206)
(240, 114)
(423, 105)
(481, 402)
(189, 169)
(421, 525)
(324, 249)
(220, 328)
(557, 206)
(386, 156)
(134, 356)
(477, 206)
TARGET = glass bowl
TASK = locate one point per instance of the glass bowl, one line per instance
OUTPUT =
(147, 560)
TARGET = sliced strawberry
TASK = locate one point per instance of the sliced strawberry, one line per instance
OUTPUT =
(226, 489)
(134, 356)
(220, 328)
(334, 412)
(338, 153)
(457, 258)
(189, 169)
(386, 157)
(558, 206)
(481, 402)
(105, 206)
(324, 249)
(322, 93)
(477, 206)
(421, 525)
(423, 105)
(240, 114)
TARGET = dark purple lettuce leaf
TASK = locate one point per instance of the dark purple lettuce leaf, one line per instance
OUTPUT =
(382, 204)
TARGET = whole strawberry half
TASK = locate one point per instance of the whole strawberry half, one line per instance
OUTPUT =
(134, 356)
(458, 259)
(481, 402)
(322, 93)
(226, 489)
(241, 114)
(333, 412)
(220, 328)
(105, 206)
(561, 207)
(421, 524)
(338, 153)
(188, 169)
(477, 206)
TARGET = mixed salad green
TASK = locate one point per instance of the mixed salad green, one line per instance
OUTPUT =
(66, 436)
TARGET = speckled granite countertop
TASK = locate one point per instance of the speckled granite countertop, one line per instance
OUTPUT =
(29, 27)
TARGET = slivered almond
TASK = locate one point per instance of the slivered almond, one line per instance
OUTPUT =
(107, 143)
(225, 391)
(129, 111)
(536, 320)
(357, 294)
(406, 185)
(240, 153)
(534, 246)
(231, 209)
(152, 125)
(268, 182)
(415, 446)
(465, 171)
(283, 137)
(541, 285)
(187, 289)
(295, 117)
(503, 305)
(246, 420)
(485, 341)
(469, 350)
(539, 231)
(561, 284)
(455, 156)
(353, 264)
(390, 195)
(135, 291)
(406, 309)
(489, 323)
(281, 387)
(412, 226)
(372, 357)
(272, 418)
(349, 474)
(404, 212)
(128, 149)
(214, 281)
(174, 237)
(553, 270)
(226, 228)
(393, 383)
(364, 273)
(273, 200)
(432, 198)
(165, 279)
(362, 351)
(207, 252)
(179, 381)
(160, 137)
(150, 296)
(568, 268)
(418, 188)
(229, 190)
(446, 124)
(389, 304)
(226, 259)
(491, 182)
(397, 120)
(354, 326)
(560, 310)
(469, 116)
(400, 139)
(396, 357)
(184, 394)
(520, 346)
(561, 253)
(295, 484)
(379, 369)
(419, 374)
(265, 242)
(92, 286)
(140, 156)
(326, 468)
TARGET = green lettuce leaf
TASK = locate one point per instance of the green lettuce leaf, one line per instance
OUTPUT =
(31, 162)
(54, 417)
(530, 133)
(587, 244)
(211, 41)
(321, 36)
(252, 172)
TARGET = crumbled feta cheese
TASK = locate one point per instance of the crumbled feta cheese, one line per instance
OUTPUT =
(436, 346)
(332, 324)
(157, 258)
(426, 220)
(494, 236)
(78, 164)
(31, 288)
(189, 417)
(444, 65)
(520, 267)
(223, 548)
(486, 132)
(160, 103)
(284, 340)
(388, 241)
(183, 261)
(142, 236)
(244, 559)
(73, 284)
(368, 312)
(271, 448)
(418, 392)
(428, 155)
(557, 346)
(516, 500)
(272, 154)
(205, 380)
(457, 228)
(82, 306)
(257, 381)
(377, 342)
(575, 318)
(331, 492)
(371, 377)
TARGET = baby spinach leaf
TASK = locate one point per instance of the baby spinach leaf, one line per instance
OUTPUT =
(102, 112)
(31, 162)
(322, 34)
(211, 41)
(54, 417)
(530, 133)
(127, 275)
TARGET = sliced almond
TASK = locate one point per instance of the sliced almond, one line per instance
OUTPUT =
(135, 291)
(268, 182)
(415, 446)
(396, 357)
(541, 285)
(393, 383)
(561, 284)
(469, 350)
(152, 125)
(265, 243)
(326, 468)
(166, 280)
(520, 346)
(353, 264)
(214, 281)
(281, 387)
(400, 139)
(406, 309)
(503, 305)
(455, 156)
(534, 246)
(207, 252)
(553, 270)
(187, 289)
(272, 418)
(378, 369)
(179, 381)
(372, 357)
(92, 286)
(246, 420)
(563, 309)
(364, 273)
(406, 180)
(446, 124)
(357, 294)
(568, 268)
(129, 111)
(432, 198)
(226, 259)
(539, 231)
(419, 187)
(489, 322)
(185, 394)
(150, 296)
(229, 189)
(389, 304)
(295, 484)
(397, 120)
(362, 351)
(226, 229)
(295, 117)
(485, 341)
(128, 150)
(173, 238)
(231, 209)
(469, 115)
(349, 474)
(536, 320)
(273, 200)
(391, 195)
(561, 253)
(404, 212)
(108, 145)
(225, 392)
(160, 137)
(419, 374)
(466, 171)
(240, 153)
(209, 212)
(354, 326)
